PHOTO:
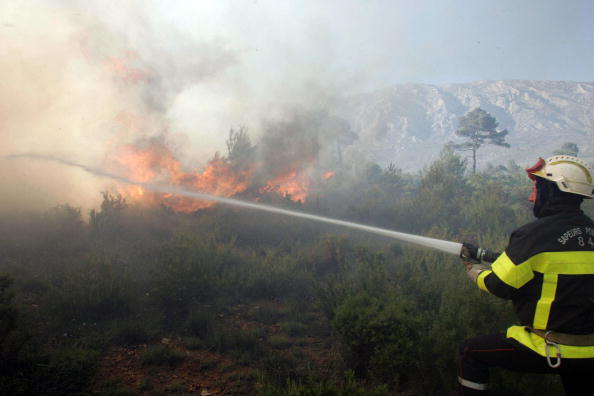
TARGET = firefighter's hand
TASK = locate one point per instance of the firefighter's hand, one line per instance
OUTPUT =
(468, 265)
(473, 270)
(466, 257)
(472, 267)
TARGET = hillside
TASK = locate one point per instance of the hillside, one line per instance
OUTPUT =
(409, 124)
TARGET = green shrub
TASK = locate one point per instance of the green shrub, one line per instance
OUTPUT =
(64, 371)
(26, 368)
(131, 333)
(162, 356)
(8, 313)
(13, 345)
(231, 339)
(175, 388)
(380, 334)
(189, 270)
(146, 385)
(208, 364)
(278, 369)
(295, 329)
(113, 388)
(89, 292)
(348, 387)
(279, 341)
(269, 313)
(200, 324)
(275, 275)
(194, 343)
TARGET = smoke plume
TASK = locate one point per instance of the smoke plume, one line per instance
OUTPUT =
(80, 80)
(74, 86)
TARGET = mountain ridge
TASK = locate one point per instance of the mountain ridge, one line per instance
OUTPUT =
(409, 124)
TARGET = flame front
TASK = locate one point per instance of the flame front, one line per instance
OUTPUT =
(219, 178)
(156, 164)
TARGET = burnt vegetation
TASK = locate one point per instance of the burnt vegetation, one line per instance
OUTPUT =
(251, 303)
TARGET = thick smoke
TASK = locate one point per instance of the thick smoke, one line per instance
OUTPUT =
(81, 79)
(303, 139)
(76, 87)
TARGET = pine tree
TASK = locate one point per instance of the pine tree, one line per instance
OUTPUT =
(478, 127)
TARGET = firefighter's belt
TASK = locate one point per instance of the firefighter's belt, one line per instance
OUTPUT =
(565, 339)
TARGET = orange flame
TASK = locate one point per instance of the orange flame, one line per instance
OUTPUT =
(292, 184)
(156, 163)
(328, 175)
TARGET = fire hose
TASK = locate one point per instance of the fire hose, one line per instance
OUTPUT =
(463, 250)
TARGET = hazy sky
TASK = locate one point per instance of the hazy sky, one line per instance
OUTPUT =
(375, 43)
(81, 77)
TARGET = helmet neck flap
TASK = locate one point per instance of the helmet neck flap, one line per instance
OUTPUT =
(549, 200)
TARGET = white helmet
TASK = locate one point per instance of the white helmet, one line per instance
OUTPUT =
(571, 174)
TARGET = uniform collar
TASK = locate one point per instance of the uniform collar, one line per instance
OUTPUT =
(550, 209)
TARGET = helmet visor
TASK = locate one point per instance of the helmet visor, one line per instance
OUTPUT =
(535, 168)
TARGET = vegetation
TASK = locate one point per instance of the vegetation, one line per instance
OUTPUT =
(239, 147)
(265, 304)
(162, 356)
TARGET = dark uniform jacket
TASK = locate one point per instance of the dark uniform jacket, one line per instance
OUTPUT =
(547, 270)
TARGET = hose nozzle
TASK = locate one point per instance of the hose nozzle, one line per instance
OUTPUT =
(477, 254)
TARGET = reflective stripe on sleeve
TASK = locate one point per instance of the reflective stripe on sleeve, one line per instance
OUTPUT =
(514, 275)
(472, 385)
(480, 280)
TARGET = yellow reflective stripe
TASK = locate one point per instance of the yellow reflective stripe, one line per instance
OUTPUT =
(511, 274)
(564, 263)
(575, 163)
(480, 280)
(547, 296)
(537, 344)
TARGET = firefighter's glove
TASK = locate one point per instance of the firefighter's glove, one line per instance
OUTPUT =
(472, 266)
(469, 253)
(466, 256)
(473, 270)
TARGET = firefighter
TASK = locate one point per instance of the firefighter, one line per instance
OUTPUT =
(547, 271)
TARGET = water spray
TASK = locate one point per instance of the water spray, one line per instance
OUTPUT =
(474, 253)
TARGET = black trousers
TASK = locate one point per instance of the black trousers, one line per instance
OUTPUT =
(479, 354)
